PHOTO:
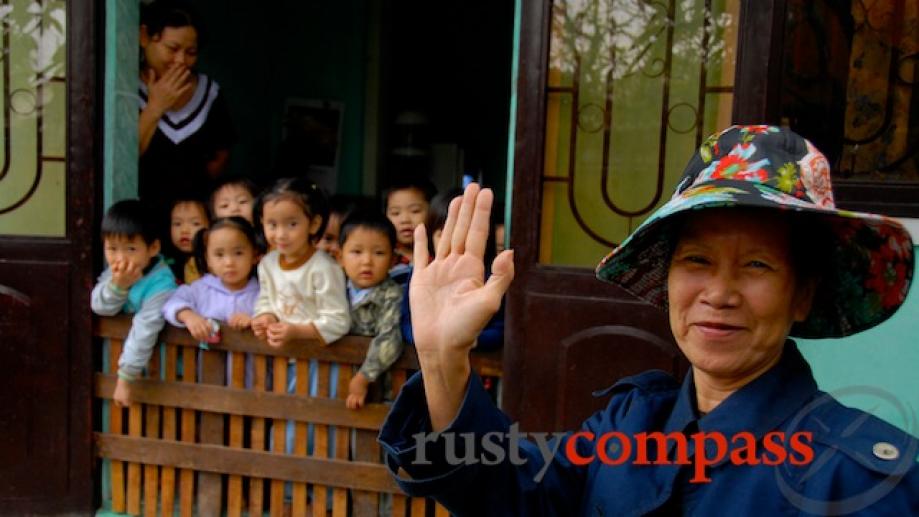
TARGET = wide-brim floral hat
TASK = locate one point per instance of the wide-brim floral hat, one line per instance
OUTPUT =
(871, 256)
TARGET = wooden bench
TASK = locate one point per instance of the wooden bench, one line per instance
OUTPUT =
(198, 441)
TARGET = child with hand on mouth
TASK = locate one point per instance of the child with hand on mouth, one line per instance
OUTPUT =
(137, 281)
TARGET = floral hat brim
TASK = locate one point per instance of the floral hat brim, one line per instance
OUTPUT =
(769, 167)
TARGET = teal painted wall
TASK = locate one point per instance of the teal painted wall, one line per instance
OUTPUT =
(120, 120)
(261, 56)
(877, 370)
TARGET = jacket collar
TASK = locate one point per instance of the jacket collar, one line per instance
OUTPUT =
(376, 292)
(759, 407)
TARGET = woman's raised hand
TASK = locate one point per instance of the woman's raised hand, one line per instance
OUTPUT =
(164, 92)
(451, 302)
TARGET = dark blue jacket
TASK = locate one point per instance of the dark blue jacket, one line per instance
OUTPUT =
(859, 465)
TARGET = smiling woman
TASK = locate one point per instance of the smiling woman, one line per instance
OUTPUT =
(184, 129)
(748, 251)
(734, 295)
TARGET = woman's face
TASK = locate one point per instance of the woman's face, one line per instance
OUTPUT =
(174, 46)
(733, 294)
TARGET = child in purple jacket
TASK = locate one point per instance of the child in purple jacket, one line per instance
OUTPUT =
(227, 293)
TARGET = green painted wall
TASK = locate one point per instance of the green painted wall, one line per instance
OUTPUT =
(877, 370)
(261, 56)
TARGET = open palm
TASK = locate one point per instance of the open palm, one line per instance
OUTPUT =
(450, 301)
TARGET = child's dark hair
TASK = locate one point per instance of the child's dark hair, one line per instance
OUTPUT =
(128, 218)
(409, 182)
(304, 193)
(188, 196)
(370, 219)
(236, 222)
(437, 218)
(437, 212)
(172, 13)
(231, 181)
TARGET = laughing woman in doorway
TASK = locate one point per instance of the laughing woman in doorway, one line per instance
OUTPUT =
(185, 130)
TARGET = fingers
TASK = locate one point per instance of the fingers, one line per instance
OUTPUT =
(420, 254)
(502, 274)
(478, 228)
(446, 235)
(464, 219)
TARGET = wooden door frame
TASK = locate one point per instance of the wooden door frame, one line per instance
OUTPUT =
(77, 250)
(756, 100)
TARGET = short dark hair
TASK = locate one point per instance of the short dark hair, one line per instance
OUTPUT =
(232, 181)
(235, 222)
(129, 218)
(172, 13)
(301, 191)
(369, 219)
(409, 182)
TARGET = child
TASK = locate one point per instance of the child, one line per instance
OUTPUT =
(339, 207)
(227, 293)
(302, 290)
(367, 243)
(492, 336)
(137, 281)
(406, 203)
(233, 196)
(186, 216)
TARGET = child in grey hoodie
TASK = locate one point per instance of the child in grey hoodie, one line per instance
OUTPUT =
(137, 281)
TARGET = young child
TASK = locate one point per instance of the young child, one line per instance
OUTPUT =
(302, 290)
(227, 293)
(492, 336)
(233, 196)
(137, 281)
(406, 204)
(367, 243)
(339, 208)
(187, 215)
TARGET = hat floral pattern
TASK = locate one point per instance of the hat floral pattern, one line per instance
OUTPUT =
(871, 260)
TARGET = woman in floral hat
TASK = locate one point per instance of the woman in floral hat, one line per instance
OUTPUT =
(749, 251)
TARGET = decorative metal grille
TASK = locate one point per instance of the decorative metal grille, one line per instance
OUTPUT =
(34, 86)
(604, 52)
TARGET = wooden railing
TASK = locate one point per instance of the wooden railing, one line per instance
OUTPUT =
(198, 441)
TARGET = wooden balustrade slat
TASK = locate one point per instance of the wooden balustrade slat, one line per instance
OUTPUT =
(347, 350)
(168, 479)
(342, 443)
(187, 476)
(235, 482)
(398, 506)
(279, 437)
(152, 430)
(257, 434)
(116, 426)
(210, 484)
(301, 388)
(356, 475)
(321, 439)
(419, 507)
(135, 420)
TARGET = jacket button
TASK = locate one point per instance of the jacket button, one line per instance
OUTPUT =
(885, 451)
